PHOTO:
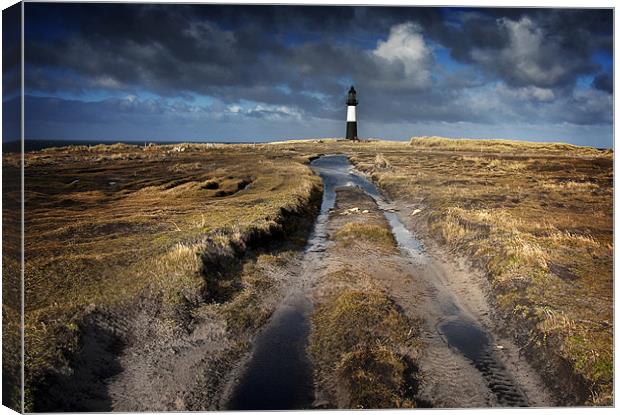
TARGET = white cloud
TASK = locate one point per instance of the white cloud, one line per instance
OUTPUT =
(274, 112)
(528, 93)
(405, 47)
(106, 81)
(234, 108)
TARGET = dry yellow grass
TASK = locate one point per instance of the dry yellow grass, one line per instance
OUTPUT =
(382, 162)
(492, 145)
(353, 232)
(355, 342)
(11, 284)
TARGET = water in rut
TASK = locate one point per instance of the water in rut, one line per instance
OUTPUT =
(279, 374)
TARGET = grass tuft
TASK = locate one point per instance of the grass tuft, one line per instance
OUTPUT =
(379, 236)
(381, 162)
(355, 339)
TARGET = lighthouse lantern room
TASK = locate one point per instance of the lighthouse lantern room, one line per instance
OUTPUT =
(351, 120)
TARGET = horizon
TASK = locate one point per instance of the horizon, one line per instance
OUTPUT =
(240, 73)
(40, 144)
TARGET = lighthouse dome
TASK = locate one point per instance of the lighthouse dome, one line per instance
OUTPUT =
(351, 96)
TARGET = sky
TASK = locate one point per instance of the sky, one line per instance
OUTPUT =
(255, 73)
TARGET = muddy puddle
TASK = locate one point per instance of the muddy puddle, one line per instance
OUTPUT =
(279, 374)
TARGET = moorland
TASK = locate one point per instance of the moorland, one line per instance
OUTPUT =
(145, 262)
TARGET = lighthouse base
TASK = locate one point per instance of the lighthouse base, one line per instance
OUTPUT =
(352, 130)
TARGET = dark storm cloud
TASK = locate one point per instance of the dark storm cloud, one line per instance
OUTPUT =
(505, 64)
(604, 82)
(11, 73)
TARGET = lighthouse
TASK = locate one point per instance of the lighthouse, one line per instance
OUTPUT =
(351, 121)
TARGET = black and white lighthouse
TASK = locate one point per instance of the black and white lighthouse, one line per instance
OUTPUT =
(351, 120)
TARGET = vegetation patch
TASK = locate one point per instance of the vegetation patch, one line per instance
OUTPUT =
(499, 145)
(379, 236)
(246, 311)
(358, 342)
(382, 162)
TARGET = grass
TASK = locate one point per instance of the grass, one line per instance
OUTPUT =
(245, 312)
(355, 341)
(108, 224)
(496, 145)
(382, 162)
(353, 232)
(11, 284)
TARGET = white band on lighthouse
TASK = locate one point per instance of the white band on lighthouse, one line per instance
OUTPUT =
(350, 113)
